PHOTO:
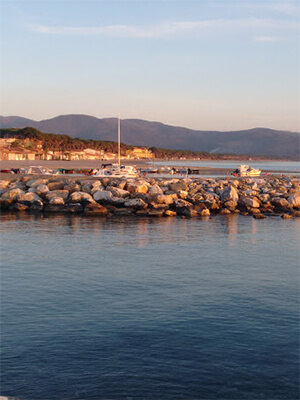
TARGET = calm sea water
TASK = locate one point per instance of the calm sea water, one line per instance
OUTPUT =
(132, 308)
(278, 166)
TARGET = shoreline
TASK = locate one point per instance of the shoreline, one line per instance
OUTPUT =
(91, 164)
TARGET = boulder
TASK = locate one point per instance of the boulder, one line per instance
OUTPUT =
(117, 192)
(253, 210)
(229, 193)
(286, 216)
(252, 202)
(136, 187)
(18, 207)
(94, 209)
(159, 206)
(296, 214)
(12, 195)
(4, 184)
(81, 197)
(281, 203)
(178, 185)
(182, 194)
(178, 203)
(41, 190)
(72, 187)
(57, 193)
(125, 211)
(162, 198)
(224, 211)
(188, 212)
(75, 208)
(37, 206)
(117, 201)
(155, 189)
(17, 185)
(264, 197)
(57, 201)
(142, 213)
(156, 212)
(182, 207)
(36, 182)
(230, 204)
(121, 184)
(91, 186)
(102, 196)
(170, 213)
(195, 198)
(294, 200)
(205, 212)
(28, 198)
(56, 185)
(135, 203)
(259, 216)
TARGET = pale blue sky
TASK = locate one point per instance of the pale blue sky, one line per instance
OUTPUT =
(201, 64)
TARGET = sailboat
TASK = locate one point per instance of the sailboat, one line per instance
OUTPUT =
(117, 170)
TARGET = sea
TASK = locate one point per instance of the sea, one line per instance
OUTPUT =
(149, 308)
(272, 166)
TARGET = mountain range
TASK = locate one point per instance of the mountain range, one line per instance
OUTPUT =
(257, 141)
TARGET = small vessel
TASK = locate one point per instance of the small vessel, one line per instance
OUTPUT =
(180, 171)
(38, 170)
(117, 170)
(65, 171)
(148, 170)
(246, 170)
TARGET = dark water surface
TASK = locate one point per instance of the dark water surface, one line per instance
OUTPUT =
(144, 308)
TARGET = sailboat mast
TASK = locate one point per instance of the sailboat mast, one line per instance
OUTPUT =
(119, 143)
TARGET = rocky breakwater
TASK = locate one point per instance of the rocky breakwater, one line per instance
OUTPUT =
(153, 197)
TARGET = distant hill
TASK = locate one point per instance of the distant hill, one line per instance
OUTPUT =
(257, 141)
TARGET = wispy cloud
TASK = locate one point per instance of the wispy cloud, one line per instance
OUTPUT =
(290, 8)
(266, 39)
(283, 7)
(164, 29)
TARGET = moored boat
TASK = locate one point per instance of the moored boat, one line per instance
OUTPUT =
(116, 171)
(246, 170)
(38, 170)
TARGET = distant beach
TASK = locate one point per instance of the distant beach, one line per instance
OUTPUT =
(220, 167)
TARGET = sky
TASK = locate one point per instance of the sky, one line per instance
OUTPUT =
(211, 65)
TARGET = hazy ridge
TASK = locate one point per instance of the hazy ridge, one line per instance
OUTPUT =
(257, 141)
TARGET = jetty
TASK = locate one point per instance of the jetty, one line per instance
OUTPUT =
(153, 197)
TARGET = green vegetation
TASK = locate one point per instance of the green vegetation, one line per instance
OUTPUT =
(169, 153)
(28, 137)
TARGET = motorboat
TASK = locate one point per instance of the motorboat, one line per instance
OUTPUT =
(38, 170)
(246, 170)
(180, 171)
(116, 171)
(148, 170)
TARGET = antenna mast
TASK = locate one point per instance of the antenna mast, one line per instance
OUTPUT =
(119, 143)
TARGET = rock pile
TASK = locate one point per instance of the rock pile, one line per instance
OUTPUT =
(153, 197)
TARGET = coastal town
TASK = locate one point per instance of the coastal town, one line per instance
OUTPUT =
(12, 149)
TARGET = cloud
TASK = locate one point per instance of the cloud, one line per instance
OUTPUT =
(266, 39)
(289, 8)
(284, 7)
(165, 29)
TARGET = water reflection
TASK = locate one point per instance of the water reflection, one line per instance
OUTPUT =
(136, 231)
